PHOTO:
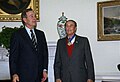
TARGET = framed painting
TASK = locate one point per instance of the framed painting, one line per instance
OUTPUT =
(10, 10)
(108, 20)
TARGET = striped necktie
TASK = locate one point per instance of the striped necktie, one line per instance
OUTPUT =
(33, 40)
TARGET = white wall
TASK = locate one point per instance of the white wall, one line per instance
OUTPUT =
(106, 54)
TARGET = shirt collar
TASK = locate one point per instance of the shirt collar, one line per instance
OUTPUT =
(73, 40)
(28, 30)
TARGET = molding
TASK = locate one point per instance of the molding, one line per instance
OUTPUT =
(51, 43)
(108, 76)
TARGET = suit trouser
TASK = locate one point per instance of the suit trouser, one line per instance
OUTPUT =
(68, 78)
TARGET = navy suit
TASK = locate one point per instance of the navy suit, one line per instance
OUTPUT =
(77, 68)
(24, 59)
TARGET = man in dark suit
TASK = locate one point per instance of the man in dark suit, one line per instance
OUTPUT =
(28, 51)
(73, 58)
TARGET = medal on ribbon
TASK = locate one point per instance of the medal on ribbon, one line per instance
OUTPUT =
(70, 39)
(69, 43)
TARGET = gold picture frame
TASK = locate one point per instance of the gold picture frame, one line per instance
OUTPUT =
(108, 20)
(9, 14)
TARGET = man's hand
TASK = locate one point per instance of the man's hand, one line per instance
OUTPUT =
(15, 78)
(58, 80)
(89, 80)
(45, 76)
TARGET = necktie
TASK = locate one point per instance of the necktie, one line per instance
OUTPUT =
(33, 40)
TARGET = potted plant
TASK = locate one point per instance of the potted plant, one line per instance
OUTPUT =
(5, 36)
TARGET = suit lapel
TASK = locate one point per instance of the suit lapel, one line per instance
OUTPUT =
(36, 33)
(26, 37)
(65, 47)
(75, 46)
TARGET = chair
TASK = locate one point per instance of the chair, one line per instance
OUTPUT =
(118, 66)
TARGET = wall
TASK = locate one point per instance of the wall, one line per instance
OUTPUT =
(106, 54)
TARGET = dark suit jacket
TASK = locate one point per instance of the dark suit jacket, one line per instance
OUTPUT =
(77, 68)
(24, 60)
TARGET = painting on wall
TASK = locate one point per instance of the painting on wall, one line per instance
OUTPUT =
(108, 20)
(10, 10)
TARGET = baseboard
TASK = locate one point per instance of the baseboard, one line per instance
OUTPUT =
(5, 81)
